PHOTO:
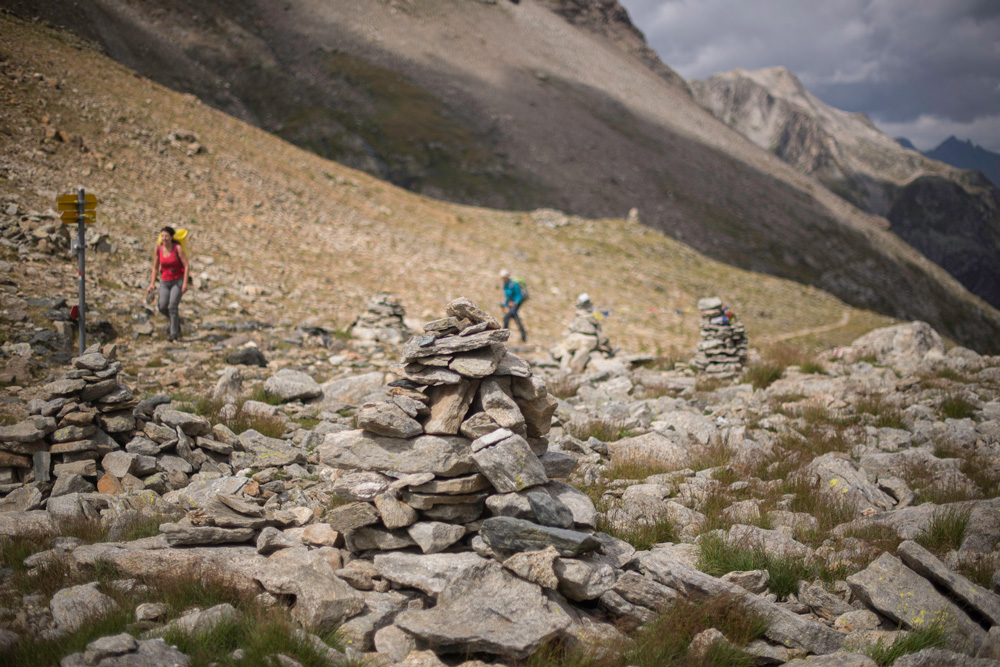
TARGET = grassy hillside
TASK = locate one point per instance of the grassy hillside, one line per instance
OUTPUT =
(512, 106)
(318, 238)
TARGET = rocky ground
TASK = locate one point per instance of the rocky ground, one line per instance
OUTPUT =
(455, 499)
(279, 488)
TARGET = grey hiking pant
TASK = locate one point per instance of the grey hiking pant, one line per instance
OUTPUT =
(170, 299)
(511, 314)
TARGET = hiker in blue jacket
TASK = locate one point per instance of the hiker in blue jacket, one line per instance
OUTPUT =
(512, 301)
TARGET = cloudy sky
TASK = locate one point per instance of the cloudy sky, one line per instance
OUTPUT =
(923, 69)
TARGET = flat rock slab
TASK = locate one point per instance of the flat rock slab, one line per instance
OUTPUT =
(322, 600)
(487, 609)
(26, 524)
(198, 493)
(923, 562)
(447, 456)
(449, 404)
(388, 419)
(901, 594)
(784, 626)
(148, 653)
(413, 350)
(507, 461)
(938, 657)
(510, 534)
(29, 430)
(651, 447)
(180, 535)
(261, 451)
(517, 505)
(435, 536)
(845, 480)
(430, 573)
(292, 385)
(837, 660)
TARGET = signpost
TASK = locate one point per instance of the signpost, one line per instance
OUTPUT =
(80, 209)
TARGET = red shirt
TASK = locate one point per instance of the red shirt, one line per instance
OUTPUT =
(171, 267)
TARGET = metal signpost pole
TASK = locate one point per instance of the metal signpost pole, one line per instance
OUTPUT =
(81, 246)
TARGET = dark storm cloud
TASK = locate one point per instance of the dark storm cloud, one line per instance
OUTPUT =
(927, 67)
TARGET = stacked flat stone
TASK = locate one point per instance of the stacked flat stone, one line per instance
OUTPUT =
(583, 340)
(382, 322)
(89, 430)
(463, 434)
(723, 348)
(81, 417)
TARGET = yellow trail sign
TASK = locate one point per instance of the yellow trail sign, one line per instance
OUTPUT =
(69, 217)
(69, 202)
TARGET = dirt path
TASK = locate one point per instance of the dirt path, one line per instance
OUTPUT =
(844, 319)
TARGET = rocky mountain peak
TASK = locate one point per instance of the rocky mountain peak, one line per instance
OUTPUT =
(923, 199)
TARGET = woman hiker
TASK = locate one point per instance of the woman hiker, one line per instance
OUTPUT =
(172, 262)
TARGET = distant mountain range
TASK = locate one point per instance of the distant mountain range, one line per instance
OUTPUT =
(967, 155)
(950, 215)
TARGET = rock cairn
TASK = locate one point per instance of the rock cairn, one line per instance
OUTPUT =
(81, 417)
(382, 322)
(723, 347)
(584, 340)
(456, 459)
(87, 430)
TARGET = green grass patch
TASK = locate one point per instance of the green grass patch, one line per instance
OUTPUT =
(946, 530)
(884, 414)
(665, 642)
(260, 632)
(641, 534)
(238, 420)
(262, 395)
(980, 569)
(718, 558)
(956, 406)
(763, 374)
(932, 636)
(605, 430)
(812, 367)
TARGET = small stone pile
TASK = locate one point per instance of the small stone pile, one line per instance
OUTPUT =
(88, 430)
(584, 340)
(382, 322)
(723, 347)
(81, 417)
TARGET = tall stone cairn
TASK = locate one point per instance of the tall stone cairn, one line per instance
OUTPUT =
(382, 322)
(583, 340)
(462, 435)
(723, 347)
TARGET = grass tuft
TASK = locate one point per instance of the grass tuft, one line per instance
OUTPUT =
(946, 530)
(956, 406)
(718, 558)
(273, 427)
(642, 535)
(912, 641)
(665, 642)
(605, 430)
(763, 374)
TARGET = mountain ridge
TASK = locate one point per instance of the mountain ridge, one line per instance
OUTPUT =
(951, 216)
(967, 155)
(536, 111)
